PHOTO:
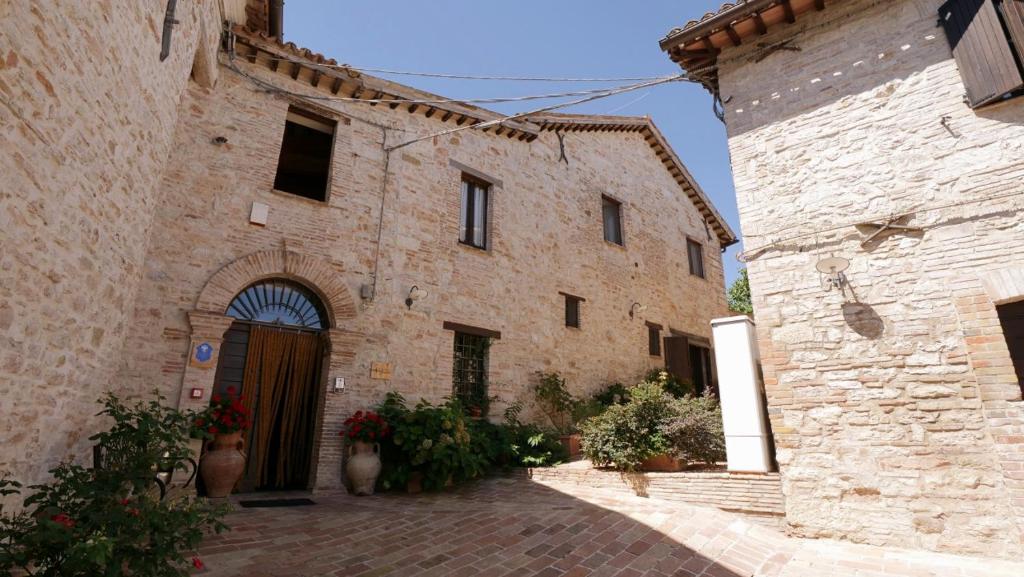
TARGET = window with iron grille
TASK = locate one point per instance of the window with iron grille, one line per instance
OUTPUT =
(469, 373)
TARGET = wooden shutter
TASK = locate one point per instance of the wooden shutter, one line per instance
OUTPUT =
(982, 50)
(677, 358)
(1013, 17)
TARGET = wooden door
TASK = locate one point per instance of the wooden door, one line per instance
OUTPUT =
(677, 358)
(1011, 317)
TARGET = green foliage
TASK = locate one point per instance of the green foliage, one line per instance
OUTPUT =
(111, 522)
(696, 429)
(430, 439)
(613, 394)
(678, 388)
(555, 401)
(739, 294)
(625, 435)
(531, 446)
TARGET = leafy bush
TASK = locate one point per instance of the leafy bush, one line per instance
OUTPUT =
(531, 446)
(626, 435)
(555, 401)
(433, 440)
(678, 388)
(696, 429)
(112, 521)
(613, 394)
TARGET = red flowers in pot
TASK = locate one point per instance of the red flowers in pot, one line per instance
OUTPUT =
(368, 427)
(227, 414)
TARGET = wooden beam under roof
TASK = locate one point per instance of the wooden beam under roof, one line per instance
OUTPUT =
(336, 86)
(787, 7)
(736, 40)
(762, 28)
(819, 5)
(413, 108)
(430, 111)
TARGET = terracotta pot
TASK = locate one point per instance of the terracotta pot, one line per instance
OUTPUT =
(571, 444)
(662, 464)
(363, 467)
(223, 464)
(415, 483)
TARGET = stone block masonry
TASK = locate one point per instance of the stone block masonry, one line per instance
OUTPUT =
(895, 407)
(87, 118)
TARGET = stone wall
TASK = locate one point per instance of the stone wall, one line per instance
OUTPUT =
(757, 495)
(896, 413)
(546, 237)
(87, 115)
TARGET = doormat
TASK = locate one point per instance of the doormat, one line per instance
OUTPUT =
(277, 503)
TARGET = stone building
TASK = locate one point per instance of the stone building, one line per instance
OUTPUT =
(167, 222)
(894, 399)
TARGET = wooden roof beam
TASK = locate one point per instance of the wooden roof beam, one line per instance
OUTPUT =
(430, 111)
(819, 5)
(376, 96)
(448, 114)
(762, 28)
(787, 7)
(736, 40)
(413, 108)
(336, 86)
(316, 78)
(296, 68)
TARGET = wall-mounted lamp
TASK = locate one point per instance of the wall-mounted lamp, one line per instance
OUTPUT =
(636, 308)
(415, 294)
(832, 276)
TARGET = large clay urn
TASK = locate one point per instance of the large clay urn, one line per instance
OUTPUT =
(223, 464)
(363, 467)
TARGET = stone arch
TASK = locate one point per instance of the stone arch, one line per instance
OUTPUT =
(315, 273)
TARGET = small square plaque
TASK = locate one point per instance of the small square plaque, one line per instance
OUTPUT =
(380, 371)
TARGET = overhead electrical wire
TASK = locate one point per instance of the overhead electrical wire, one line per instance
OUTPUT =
(480, 76)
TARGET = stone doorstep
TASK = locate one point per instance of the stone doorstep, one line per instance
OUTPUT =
(756, 495)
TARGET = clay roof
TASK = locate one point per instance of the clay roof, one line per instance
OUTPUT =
(325, 74)
(697, 44)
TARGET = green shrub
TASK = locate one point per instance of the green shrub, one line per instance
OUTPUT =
(613, 394)
(678, 388)
(626, 435)
(696, 429)
(112, 521)
(531, 446)
(433, 440)
(555, 401)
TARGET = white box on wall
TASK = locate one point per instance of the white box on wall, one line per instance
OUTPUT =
(259, 213)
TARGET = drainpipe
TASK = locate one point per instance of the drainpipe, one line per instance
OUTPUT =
(276, 18)
(169, 22)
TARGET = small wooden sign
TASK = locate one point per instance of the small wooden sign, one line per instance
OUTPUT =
(380, 371)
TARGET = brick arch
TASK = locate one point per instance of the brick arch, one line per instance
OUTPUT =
(1005, 285)
(315, 273)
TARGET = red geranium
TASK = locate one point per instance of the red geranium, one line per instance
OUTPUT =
(64, 520)
(366, 426)
(226, 414)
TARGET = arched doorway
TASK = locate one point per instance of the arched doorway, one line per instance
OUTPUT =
(273, 355)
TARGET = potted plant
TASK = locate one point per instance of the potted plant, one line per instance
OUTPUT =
(560, 407)
(364, 431)
(223, 462)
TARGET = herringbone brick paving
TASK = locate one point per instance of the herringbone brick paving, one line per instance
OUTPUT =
(515, 527)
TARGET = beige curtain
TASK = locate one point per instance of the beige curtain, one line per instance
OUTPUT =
(282, 370)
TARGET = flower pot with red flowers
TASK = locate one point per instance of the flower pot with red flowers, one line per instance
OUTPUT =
(223, 462)
(364, 431)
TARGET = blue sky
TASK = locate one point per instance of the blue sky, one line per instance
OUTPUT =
(557, 38)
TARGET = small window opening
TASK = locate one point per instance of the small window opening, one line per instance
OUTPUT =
(469, 373)
(572, 311)
(611, 212)
(695, 253)
(654, 340)
(473, 212)
(1011, 318)
(304, 166)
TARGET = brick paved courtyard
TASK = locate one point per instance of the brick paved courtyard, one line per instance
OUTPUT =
(514, 526)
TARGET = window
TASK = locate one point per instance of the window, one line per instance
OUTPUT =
(695, 253)
(304, 166)
(473, 212)
(611, 212)
(469, 373)
(1011, 317)
(654, 339)
(572, 310)
(987, 39)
